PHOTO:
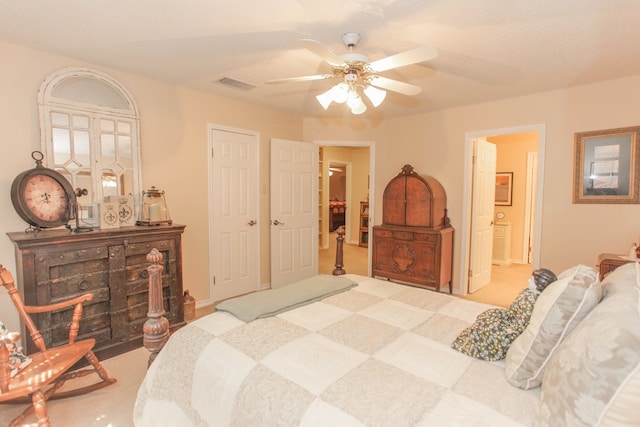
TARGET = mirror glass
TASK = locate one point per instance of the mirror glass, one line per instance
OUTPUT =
(90, 132)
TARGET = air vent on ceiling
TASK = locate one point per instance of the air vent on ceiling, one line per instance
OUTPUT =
(236, 84)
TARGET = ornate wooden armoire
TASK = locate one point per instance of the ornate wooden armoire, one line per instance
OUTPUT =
(414, 243)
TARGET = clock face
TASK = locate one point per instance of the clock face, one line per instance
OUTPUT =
(45, 198)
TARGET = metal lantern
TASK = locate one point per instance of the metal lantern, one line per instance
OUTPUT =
(154, 210)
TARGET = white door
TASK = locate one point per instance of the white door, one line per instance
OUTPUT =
(294, 211)
(530, 208)
(234, 243)
(484, 181)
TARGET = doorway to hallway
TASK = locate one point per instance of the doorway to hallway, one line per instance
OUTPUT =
(357, 160)
(355, 258)
(523, 214)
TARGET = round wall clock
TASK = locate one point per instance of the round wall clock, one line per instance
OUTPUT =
(43, 197)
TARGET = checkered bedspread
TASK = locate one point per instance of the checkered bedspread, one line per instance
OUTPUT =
(376, 355)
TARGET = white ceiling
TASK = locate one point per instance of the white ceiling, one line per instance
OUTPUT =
(488, 49)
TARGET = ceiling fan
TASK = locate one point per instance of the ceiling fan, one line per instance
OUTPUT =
(356, 71)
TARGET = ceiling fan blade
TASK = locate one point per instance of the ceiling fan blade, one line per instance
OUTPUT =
(302, 78)
(413, 56)
(323, 52)
(394, 85)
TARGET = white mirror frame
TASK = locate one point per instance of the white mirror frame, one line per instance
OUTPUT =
(83, 92)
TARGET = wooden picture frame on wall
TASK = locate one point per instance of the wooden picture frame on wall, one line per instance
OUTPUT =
(504, 188)
(606, 166)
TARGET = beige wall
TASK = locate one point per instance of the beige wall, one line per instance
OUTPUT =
(173, 131)
(174, 152)
(434, 144)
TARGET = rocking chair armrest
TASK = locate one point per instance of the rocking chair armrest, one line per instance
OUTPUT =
(57, 306)
(74, 328)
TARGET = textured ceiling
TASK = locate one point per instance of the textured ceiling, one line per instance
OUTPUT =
(488, 49)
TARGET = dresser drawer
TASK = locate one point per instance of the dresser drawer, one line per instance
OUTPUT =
(144, 247)
(377, 232)
(402, 235)
(393, 234)
(427, 237)
(64, 258)
(68, 287)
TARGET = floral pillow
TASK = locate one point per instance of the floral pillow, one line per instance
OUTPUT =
(17, 359)
(494, 330)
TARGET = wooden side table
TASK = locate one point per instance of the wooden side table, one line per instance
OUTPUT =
(609, 262)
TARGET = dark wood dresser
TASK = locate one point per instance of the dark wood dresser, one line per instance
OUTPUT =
(609, 262)
(414, 243)
(55, 265)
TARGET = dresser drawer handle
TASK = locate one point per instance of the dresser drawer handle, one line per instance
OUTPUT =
(144, 274)
(84, 284)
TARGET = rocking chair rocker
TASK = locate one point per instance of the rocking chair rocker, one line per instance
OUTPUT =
(48, 370)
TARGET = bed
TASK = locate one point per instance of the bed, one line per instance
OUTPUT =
(379, 353)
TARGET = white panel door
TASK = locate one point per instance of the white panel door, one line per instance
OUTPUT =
(235, 237)
(484, 187)
(294, 211)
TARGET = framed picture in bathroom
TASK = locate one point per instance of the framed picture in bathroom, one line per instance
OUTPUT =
(504, 188)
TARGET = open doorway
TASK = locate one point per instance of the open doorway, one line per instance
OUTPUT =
(346, 171)
(338, 194)
(516, 223)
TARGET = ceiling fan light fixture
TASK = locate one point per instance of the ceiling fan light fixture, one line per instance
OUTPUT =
(360, 75)
(359, 109)
(325, 98)
(355, 103)
(337, 94)
(340, 92)
(375, 95)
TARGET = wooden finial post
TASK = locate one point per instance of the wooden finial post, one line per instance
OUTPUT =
(338, 271)
(156, 328)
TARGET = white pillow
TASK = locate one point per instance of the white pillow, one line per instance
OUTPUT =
(558, 310)
(593, 379)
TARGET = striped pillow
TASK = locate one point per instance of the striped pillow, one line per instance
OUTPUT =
(558, 310)
(593, 379)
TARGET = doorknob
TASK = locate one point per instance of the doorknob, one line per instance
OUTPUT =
(276, 222)
(252, 223)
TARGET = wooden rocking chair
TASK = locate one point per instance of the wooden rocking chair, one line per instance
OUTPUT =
(48, 371)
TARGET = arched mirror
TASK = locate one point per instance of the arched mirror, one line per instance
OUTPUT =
(89, 127)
